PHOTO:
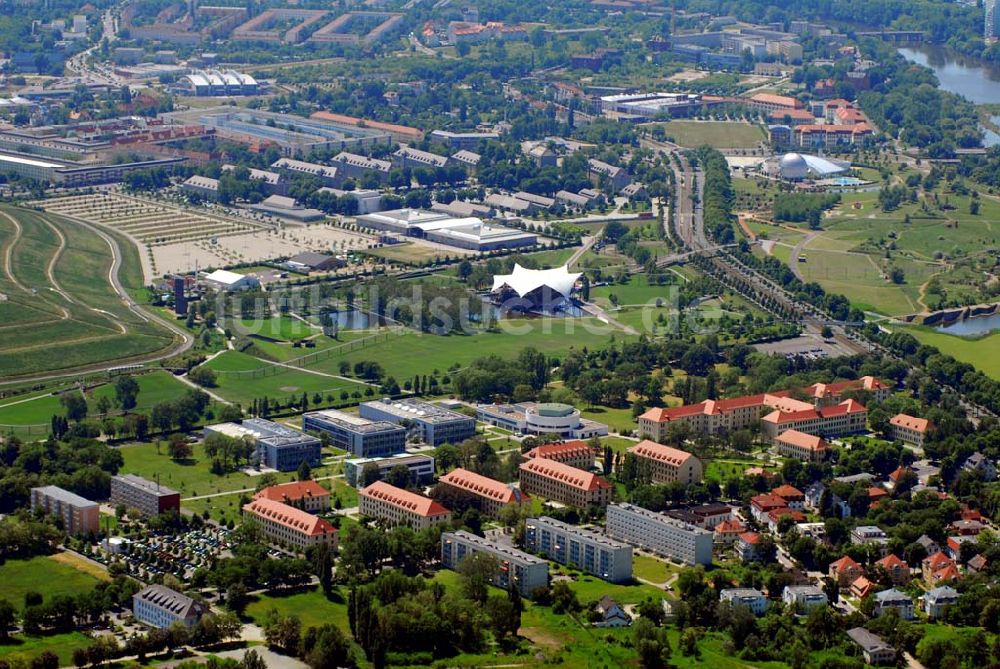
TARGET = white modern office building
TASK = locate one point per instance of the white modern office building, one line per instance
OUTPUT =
(579, 547)
(362, 437)
(541, 418)
(659, 534)
(427, 422)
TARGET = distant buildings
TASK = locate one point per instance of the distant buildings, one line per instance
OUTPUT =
(578, 547)
(203, 83)
(665, 463)
(396, 506)
(991, 22)
(161, 607)
(544, 418)
(488, 495)
(147, 497)
(306, 495)
(79, 515)
(286, 525)
(560, 482)
(222, 279)
(659, 534)
(277, 446)
(431, 423)
(514, 568)
(360, 436)
(470, 233)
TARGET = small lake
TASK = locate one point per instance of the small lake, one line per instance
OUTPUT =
(972, 327)
(971, 78)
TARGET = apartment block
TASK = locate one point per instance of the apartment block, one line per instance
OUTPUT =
(79, 515)
(420, 467)
(584, 549)
(147, 497)
(562, 483)
(659, 534)
(396, 506)
(514, 568)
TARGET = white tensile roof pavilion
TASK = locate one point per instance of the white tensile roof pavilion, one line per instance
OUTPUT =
(524, 281)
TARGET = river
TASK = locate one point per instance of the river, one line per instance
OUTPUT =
(971, 78)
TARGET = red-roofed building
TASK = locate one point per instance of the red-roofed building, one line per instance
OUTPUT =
(490, 496)
(728, 531)
(861, 587)
(898, 570)
(845, 571)
(667, 464)
(909, 429)
(802, 446)
(573, 453)
(748, 547)
(563, 483)
(714, 416)
(794, 498)
(848, 417)
(770, 102)
(937, 568)
(761, 505)
(774, 517)
(833, 393)
(306, 495)
(287, 526)
(793, 117)
(875, 494)
(401, 507)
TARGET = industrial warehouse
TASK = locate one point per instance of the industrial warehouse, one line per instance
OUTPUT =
(464, 233)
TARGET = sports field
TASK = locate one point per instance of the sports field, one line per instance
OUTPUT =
(720, 134)
(58, 308)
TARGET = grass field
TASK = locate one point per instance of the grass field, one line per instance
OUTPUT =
(980, 353)
(720, 134)
(60, 311)
(636, 292)
(651, 569)
(155, 387)
(311, 606)
(46, 575)
(284, 328)
(410, 253)
(26, 648)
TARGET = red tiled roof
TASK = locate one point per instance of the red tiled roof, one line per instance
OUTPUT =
(937, 561)
(768, 502)
(730, 526)
(891, 561)
(290, 517)
(802, 440)
(292, 491)
(909, 422)
(566, 448)
(947, 573)
(843, 564)
(777, 514)
(404, 499)
(845, 407)
(787, 492)
(874, 492)
(559, 471)
(752, 538)
(480, 485)
(770, 98)
(654, 451)
(861, 586)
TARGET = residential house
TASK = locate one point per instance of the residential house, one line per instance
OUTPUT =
(909, 429)
(873, 648)
(977, 462)
(938, 599)
(845, 570)
(728, 531)
(805, 598)
(894, 600)
(748, 597)
(898, 570)
(861, 587)
(748, 547)
(612, 615)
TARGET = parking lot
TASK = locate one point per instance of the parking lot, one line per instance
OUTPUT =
(178, 554)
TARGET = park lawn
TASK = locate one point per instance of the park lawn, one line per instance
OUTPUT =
(242, 378)
(284, 328)
(637, 291)
(311, 606)
(45, 575)
(191, 477)
(23, 649)
(652, 569)
(234, 361)
(719, 134)
(721, 469)
(858, 277)
(981, 352)
(618, 444)
(409, 253)
(284, 351)
(413, 353)
(618, 420)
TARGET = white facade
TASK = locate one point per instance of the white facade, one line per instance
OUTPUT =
(659, 534)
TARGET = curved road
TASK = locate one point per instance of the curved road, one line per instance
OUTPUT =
(183, 340)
